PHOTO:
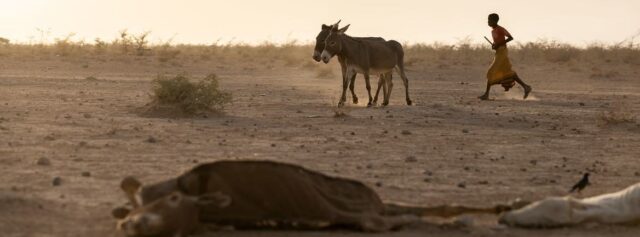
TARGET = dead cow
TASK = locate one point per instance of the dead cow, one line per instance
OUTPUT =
(622, 207)
(266, 194)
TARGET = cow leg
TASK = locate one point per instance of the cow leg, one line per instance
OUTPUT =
(368, 83)
(405, 81)
(352, 87)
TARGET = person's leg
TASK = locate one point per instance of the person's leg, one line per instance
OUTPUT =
(527, 88)
(486, 93)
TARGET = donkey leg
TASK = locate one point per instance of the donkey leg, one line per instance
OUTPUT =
(352, 87)
(405, 80)
(389, 81)
(380, 84)
(368, 83)
(345, 85)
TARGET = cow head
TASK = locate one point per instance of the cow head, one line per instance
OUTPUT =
(175, 214)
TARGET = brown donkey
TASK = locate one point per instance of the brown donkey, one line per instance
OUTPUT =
(366, 57)
(319, 47)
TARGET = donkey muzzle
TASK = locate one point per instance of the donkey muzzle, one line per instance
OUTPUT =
(326, 56)
(316, 56)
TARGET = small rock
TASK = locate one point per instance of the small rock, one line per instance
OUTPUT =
(637, 174)
(465, 130)
(57, 181)
(462, 185)
(369, 166)
(353, 133)
(411, 159)
(43, 161)
(86, 174)
(273, 145)
(406, 132)
(378, 184)
(86, 115)
(581, 104)
(152, 140)
(427, 180)
(533, 162)
(483, 182)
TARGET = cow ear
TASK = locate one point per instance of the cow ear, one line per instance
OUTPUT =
(120, 212)
(344, 29)
(218, 199)
(130, 186)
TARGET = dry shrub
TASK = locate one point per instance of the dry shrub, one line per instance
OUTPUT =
(167, 53)
(190, 97)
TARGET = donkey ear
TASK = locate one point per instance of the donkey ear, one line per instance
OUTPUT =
(325, 27)
(120, 212)
(218, 199)
(343, 29)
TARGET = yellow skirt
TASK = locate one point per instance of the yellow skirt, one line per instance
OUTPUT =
(500, 71)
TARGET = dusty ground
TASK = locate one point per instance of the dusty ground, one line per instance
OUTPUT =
(466, 151)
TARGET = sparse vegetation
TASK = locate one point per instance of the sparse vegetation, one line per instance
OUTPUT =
(190, 97)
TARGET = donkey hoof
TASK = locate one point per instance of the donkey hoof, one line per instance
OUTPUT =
(355, 100)
(369, 104)
(409, 102)
(341, 104)
(385, 103)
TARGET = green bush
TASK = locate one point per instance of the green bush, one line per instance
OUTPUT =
(191, 97)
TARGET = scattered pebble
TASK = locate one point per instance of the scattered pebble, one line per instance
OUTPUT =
(462, 185)
(273, 145)
(86, 174)
(406, 132)
(411, 159)
(43, 161)
(86, 115)
(152, 140)
(57, 181)
(465, 130)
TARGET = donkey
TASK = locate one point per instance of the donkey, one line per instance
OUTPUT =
(266, 194)
(324, 32)
(366, 57)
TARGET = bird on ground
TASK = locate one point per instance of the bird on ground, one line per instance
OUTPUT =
(584, 182)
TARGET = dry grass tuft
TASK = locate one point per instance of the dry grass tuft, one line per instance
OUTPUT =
(190, 97)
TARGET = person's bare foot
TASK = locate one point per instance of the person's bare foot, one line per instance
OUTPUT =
(527, 90)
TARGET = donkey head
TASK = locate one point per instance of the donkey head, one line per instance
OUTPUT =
(333, 43)
(175, 214)
(322, 36)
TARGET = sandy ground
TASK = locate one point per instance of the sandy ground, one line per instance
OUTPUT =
(466, 151)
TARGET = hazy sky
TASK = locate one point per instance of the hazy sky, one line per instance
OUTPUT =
(254, 21)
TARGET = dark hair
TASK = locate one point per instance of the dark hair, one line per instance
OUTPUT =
(494, 17)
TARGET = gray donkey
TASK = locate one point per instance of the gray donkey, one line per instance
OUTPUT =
(366, 57)
(317, 50)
